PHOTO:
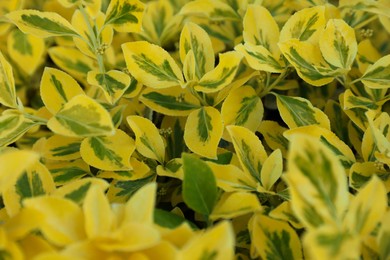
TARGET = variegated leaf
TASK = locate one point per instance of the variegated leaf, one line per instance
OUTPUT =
(376, 138)
(367, 55)
(232, 205)
(222, 75)
(62, 148)
(148, 140)
(125, 15)
(353, 101)
(194, 38)
(377, 75)
(26, 51)
(364, 214)
(249, 150)
(272, 169)
(317, 182)
(111, 153)
(57, 88)
(7, 84)
(36, 181)
(173, 101)
(152, 65)
(140, 170)
(214, 10)
(203, 131)
(81, 117)
(297, 111)
(284, 212)
(305, 25)
(42, 24)
(242, 107)
(361, 173)
(67, 171)
(274, 239)
(114, 83)
(383, 237)
(273, 135)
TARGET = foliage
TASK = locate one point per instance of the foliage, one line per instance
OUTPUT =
(205, 129)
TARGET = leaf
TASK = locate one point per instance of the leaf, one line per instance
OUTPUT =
(111, 153)
(97, 213)
(297, 111)
(329, 139)
(36, 181)
(364, 214)
(67, 171)
(42, 24)
(168, 219)
(173, 101)
(122, 190)
(273, 135)
(214, 10)
(274, 239)
(152, 65)
(12, 168)
(259, 58)
(215, 243)
(232, 205)
(305, 25)
(367, 55)
(148, 140)
(125, 15)
(377, 76)
(242, 107)
(249, 149)
(352, 101)
(261, 32)
(114, 83)
(7, 84)
(25, 49)
(82, 117)
(316, 181)
(13, 125)
(140, 170)
(62, 148)
(194, 38)
(57, 88)
(383, 237)
(338, 44)
(199, 185)
(272, 169)
(203, 131)
(284, 212)
(222, 75)
(308, 61)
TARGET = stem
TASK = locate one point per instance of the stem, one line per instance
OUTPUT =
(38, 119)
(281, 77)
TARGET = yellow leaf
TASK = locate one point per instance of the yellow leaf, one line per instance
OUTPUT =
(5, 7)
(214, 10)
(111, 153)
(125, 15)
(23, 223)
(82, 116)
(99, 218)
(232, 205)
(58, 147)
(203, 131)
(364, 213)
(26, 50)
(367, 55)
(57, 88)
(272, 169)
(216, 243)
(148, 140)
(152, 65)
(338, 44)
(7, 84)
(284, 212)
(140, 170)
(376, 75)
(273, 135)
(383, 235)
(67, 171)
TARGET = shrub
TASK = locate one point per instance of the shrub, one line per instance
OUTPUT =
(206, 129)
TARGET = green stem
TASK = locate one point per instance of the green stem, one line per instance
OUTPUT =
(281, 77)
(38, 119)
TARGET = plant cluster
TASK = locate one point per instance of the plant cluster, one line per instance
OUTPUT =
(205, 129)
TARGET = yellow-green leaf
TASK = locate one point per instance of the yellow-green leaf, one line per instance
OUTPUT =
(297, 111)
(274, 239)
(232, 205)
(152, 65)
(272, 169)
(57, 88)
(81, 117)
(383, 237)
(13, 125)
(203, 131)
(338, 44)
(194, 38)
(62, 148)
(42, 24)
(7, 84)
(214, 10)
(317, 182)
(114, 83)
(110, 153)
(174, 101)
(304, 25)
(67, 171)
(377, 75)
(25, 50)
(249, 149)
(242, 107)
(148, 140)
(222, 75)
(125, 15)
(364, 213)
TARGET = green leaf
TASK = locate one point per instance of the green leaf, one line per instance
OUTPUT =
(169, 220)
(199, 185)
(125, 15)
